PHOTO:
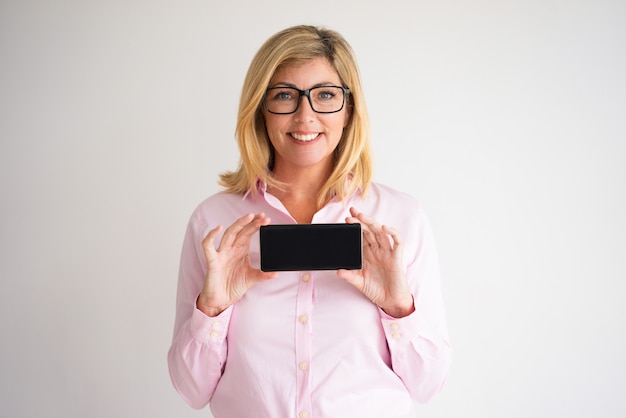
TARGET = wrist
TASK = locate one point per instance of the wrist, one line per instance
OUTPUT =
(405, 308)
(207, 308)
(211, 312)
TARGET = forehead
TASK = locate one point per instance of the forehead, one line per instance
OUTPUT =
(312, 72)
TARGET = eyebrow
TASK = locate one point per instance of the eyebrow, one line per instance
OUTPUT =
(322, 84)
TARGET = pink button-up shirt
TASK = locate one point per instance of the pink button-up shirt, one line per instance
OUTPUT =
(307, 344)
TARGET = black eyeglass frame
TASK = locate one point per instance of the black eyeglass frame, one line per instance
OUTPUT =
(306, 93)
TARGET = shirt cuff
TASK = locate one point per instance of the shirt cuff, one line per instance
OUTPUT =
(210, 330)
(400, 330)
(414, 328)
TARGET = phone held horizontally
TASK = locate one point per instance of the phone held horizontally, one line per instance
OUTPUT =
(300, 247)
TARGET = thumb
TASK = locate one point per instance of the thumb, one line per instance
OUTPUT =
(261, 276)
(349, 276)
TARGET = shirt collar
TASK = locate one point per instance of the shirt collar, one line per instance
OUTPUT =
(260, 186)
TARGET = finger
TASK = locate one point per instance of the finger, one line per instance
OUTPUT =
(395, 236)
(352, 219)
(369, 238)
(383, 239)
(369, 222)
(208, 241)
(358, 217)
(231, 232)
(247, 232)
(376, 236)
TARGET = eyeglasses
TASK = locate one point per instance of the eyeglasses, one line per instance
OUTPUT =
(323, 99)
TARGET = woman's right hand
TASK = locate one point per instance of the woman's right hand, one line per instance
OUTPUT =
(229, 273)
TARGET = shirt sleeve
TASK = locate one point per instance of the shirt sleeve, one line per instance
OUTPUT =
(197, 355)
(419, 343)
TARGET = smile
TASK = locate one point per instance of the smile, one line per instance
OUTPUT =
(304, 138)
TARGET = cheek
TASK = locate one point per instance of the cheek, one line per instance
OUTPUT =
(271, 127)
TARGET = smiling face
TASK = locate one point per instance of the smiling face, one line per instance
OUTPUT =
(305, 139)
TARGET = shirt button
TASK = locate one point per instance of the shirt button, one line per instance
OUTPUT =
(303, 365)
(396, 335)
(394, 326)
(306, 277)
(216, 325)
(214, 334)
(303, 414)
(303, 319)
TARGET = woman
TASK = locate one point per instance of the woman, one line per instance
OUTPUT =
(339, 343)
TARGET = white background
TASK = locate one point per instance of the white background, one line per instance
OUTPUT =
(505, 118)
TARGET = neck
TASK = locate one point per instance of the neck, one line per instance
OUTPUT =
(301, 190)
(302, 183)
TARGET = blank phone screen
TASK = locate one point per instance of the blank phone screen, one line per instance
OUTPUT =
(298, 247)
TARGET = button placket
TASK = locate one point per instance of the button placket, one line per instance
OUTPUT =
(302, 325)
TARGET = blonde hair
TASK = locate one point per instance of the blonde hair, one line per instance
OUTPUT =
(296, 45)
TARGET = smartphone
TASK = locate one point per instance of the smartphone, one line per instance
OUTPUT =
(298, 247)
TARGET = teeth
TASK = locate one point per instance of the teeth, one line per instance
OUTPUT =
(304, 138)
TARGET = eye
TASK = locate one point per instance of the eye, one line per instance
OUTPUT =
(282, 95)
(325, 94)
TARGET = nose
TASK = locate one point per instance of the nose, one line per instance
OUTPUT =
(304, 110)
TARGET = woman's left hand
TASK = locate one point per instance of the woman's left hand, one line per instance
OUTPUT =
(381, 278)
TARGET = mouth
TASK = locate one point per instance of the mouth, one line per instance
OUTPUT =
(304, 137)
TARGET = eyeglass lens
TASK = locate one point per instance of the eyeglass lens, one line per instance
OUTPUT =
(325, 99)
